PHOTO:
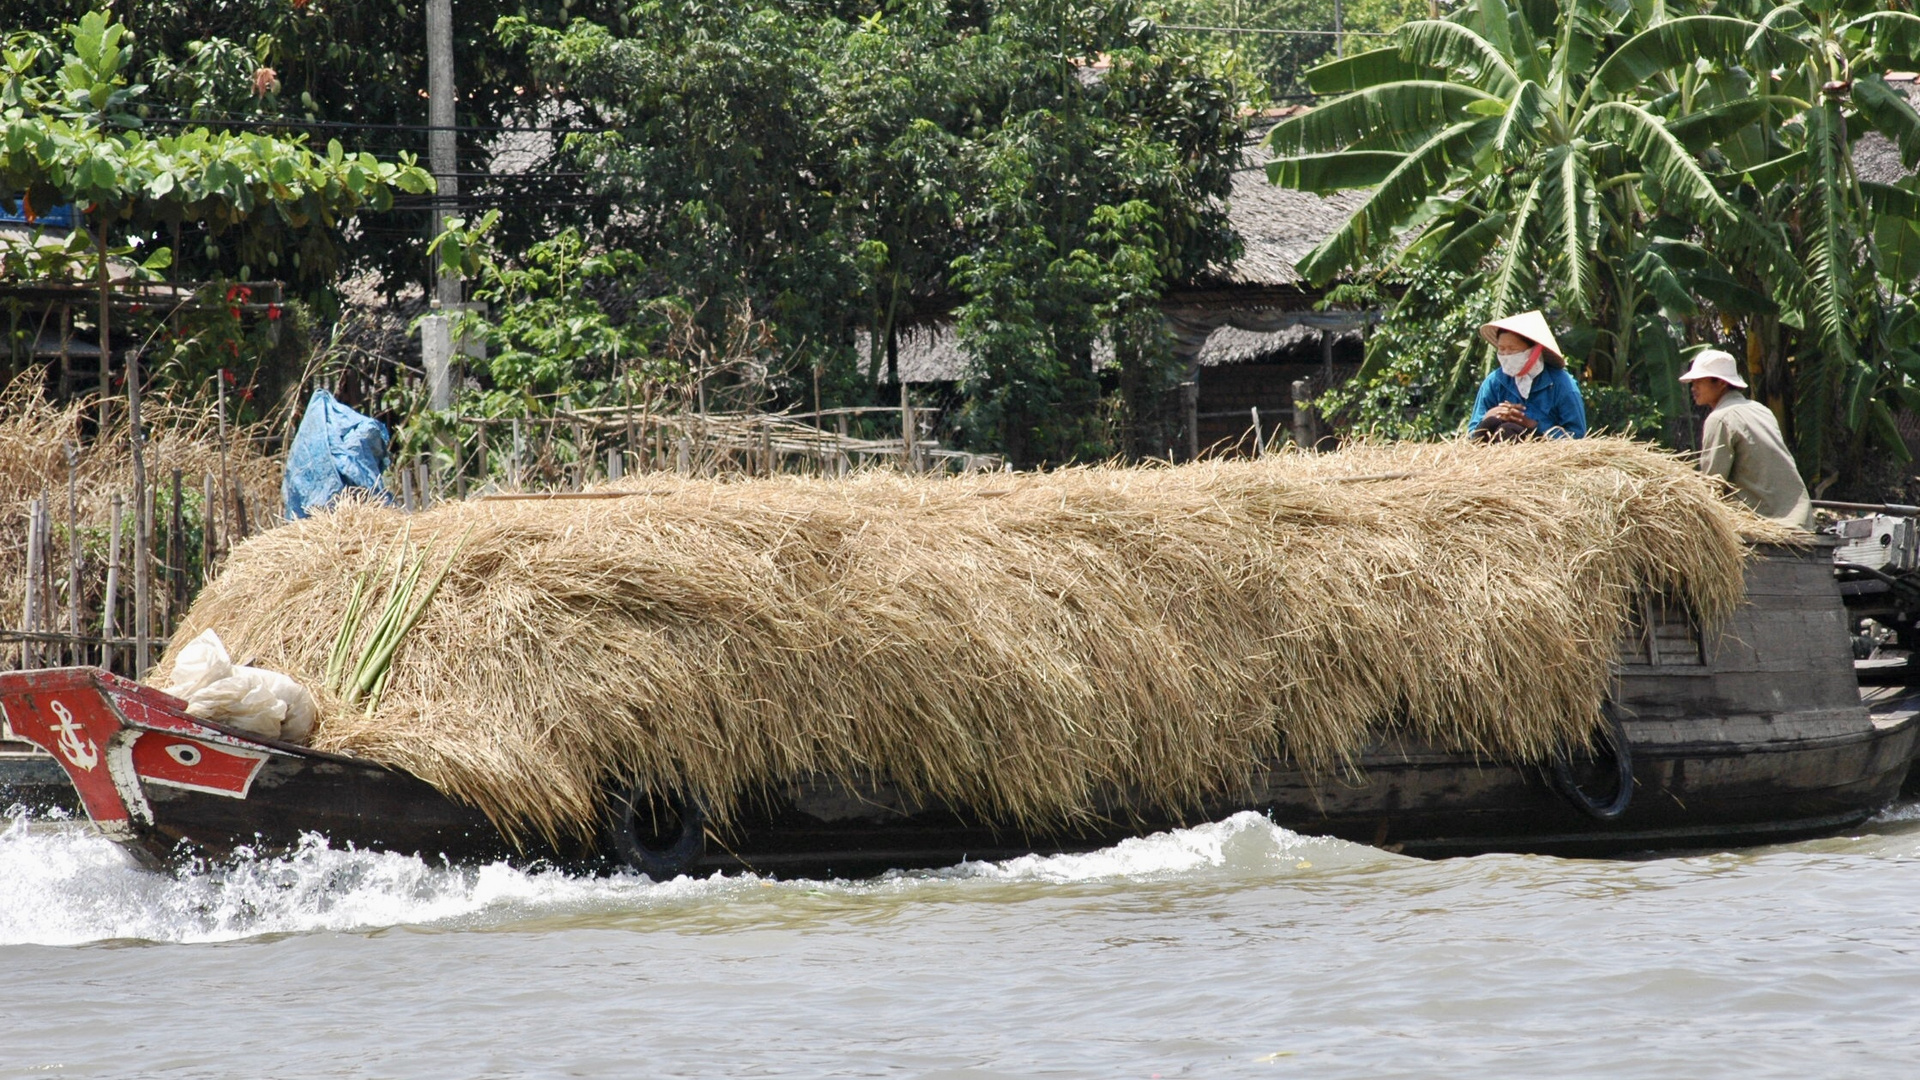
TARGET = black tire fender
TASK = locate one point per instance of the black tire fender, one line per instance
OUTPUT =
(1622, 751)
(659, 835)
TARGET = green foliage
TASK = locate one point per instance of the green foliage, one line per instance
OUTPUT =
(1276, 64)
(1421, 364)
(356, 65)
(1633, 168)
(840, 174)
(554, 339)
(67, 136)
(1612, 410)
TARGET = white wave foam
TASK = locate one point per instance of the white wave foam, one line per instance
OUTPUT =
(65, 884)
(1247, 842)
(61, 883)
(1897, 813)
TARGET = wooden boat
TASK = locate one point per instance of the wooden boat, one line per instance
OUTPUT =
(1757, 734)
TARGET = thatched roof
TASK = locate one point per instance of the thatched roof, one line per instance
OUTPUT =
(1024, 644)
(1232, 345)
(1277, 225)
(1875, 157)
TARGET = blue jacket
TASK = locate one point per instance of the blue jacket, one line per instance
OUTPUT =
(1555, 403)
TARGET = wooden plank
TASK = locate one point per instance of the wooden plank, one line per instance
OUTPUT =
(1752, 692)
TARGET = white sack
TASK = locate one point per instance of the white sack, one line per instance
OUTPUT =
(203, 662)
(252, 699)
(239, 701)
(297, 722)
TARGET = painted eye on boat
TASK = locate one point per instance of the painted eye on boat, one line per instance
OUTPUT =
(184, 754)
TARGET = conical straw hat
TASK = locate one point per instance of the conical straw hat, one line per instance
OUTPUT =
(1528, 324)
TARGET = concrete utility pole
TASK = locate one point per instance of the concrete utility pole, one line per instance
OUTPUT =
(436, 337)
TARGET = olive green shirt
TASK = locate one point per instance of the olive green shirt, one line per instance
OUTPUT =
(1741, 443)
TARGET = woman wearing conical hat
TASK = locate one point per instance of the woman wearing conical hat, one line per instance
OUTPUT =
(1530, 393)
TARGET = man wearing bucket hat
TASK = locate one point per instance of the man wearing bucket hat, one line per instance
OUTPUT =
(1741, 442)
(1530, 393)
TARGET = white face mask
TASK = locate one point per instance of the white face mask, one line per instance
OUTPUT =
(1527, 361)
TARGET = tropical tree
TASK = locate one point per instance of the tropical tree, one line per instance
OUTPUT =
(1035, 169)
(69, 135)
(354, 69)
(1824, 260)
(1493, 145)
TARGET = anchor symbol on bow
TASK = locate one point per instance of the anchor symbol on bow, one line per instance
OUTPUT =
(74, 744)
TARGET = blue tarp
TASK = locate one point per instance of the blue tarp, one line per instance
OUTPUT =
(59, 217)
(336, 448)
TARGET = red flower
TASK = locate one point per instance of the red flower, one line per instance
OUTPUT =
(273, 311)
(227, 374)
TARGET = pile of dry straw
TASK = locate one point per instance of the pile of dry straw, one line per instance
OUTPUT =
(35, 434)
(1019, 643)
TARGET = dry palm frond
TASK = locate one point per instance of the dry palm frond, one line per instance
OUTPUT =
(1019, 643)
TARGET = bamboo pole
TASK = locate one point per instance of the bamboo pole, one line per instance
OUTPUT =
(1259, 437)
(208, 537)
(240, 519)
(176, 556)
(513, 464)
(73, 550)
(634, 438)
(142, 572)
(1303, 414)
(423, 479)
(30, 603)
(66, 357)
(49, 612)
(111, 601)
(226, 478)
(906, 429)
(106, 350)
(582, 458)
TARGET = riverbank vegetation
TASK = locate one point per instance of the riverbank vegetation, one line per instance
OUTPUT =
(788, 186)
(1655, 177)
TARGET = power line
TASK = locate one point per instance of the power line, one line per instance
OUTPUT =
(232, 120)
(1263, 30)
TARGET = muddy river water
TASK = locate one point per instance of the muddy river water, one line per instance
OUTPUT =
(1228, 950)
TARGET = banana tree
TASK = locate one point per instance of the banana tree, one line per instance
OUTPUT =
(1833, 346)
(1633, 168)
(1494, 147)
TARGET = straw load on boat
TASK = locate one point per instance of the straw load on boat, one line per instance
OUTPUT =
(1019, 644)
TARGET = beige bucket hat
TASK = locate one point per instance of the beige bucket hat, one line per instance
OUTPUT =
(1528, 324)
(1715, 364)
